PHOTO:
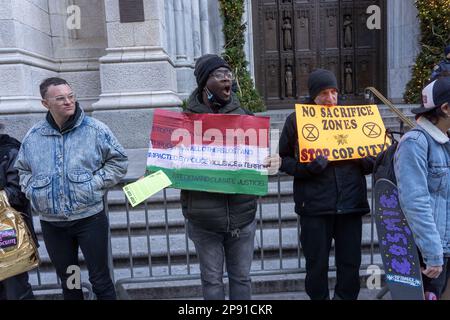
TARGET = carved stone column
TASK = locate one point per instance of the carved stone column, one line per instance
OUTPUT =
(179, 27)
(403, 46)
(197, 37)
(204, 26)
(137, 73)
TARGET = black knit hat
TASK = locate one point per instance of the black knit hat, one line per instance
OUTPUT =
(205, 65)
(320, 79)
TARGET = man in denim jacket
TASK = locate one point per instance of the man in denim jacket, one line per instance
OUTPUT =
(422, 168)
(66, 163)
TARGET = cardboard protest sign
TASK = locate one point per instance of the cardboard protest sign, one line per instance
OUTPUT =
(339, 132)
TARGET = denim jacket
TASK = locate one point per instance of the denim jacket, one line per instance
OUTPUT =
(422, 168)
(65, 175)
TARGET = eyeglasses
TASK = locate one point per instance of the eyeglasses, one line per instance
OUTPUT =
(61, 99)
(221, 75)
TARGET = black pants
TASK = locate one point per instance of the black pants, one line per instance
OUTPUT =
(62, 240)
(439, 284)
(316, 236)
(16, 288)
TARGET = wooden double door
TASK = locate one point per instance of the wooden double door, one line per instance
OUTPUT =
(293, 37)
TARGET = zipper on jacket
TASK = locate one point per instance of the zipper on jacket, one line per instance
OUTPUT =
(228, 215)
(338, 195)
(234, 233)
(62, 204)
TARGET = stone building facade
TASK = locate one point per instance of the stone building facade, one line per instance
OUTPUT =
(122, 70)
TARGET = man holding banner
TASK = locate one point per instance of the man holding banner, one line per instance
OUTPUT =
(330, 191)
(221, 225)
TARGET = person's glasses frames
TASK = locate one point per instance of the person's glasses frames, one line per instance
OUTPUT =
(222, 75)
(61, 99)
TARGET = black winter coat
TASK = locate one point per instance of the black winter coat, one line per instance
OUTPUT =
(9, 180)
(339, 189)
(218, 212)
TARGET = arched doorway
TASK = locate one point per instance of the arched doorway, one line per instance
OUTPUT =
(293, 37)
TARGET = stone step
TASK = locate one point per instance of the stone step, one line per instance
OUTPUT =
(268, 242)
(271, 213)
(269, 264)
(157, 218)
(391, 123)
(268, 209)
(117, 197)
(390, 119)
(181, 282)
(289, 279)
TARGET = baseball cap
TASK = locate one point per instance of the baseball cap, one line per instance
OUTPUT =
(434, 95)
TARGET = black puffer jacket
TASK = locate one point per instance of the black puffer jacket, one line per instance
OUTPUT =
(9, 180)
(339, 189)
(218, 212)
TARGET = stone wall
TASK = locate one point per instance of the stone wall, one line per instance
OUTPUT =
(35, 43)
(403, 46)
(25, 53)
(121, 71)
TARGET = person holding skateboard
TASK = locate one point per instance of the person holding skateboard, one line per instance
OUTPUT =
(422, 168)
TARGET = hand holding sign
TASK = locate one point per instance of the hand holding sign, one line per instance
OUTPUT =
(272, 163)
(317, 165)
(144, 188)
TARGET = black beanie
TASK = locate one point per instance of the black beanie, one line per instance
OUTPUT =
(320, 79)
(205, 65)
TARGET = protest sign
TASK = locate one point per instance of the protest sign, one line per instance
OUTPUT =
(210, 152)
(339, 132)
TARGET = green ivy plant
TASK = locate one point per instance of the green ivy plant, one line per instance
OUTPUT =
(234, 32)
(434, 18)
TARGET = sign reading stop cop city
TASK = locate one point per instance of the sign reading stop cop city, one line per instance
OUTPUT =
(339, 132)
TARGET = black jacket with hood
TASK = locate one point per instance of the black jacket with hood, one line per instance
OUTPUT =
(218, 212)
(9, 180)
(339, 189)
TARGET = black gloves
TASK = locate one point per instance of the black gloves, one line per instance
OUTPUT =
(367, 164)
(317, 165)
